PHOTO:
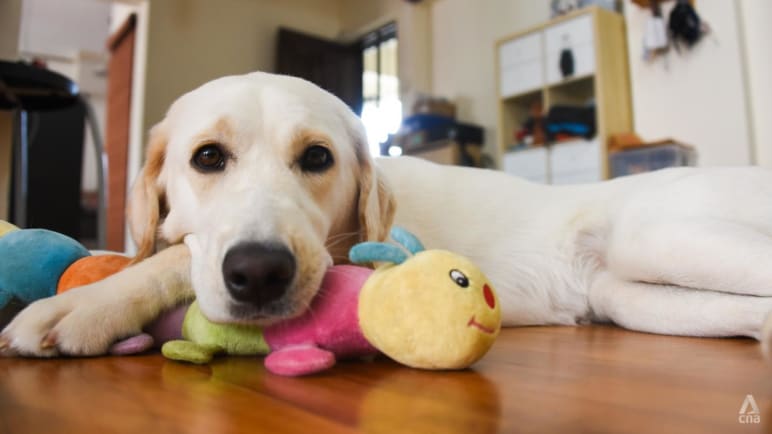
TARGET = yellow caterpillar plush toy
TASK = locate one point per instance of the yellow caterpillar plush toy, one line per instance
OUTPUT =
(429, 309)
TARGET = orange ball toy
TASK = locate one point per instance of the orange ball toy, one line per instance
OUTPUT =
(90, 269)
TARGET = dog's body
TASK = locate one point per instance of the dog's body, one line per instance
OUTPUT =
(680, 251)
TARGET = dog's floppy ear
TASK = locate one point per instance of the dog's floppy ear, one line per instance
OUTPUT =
(147, 199)
(376, 205)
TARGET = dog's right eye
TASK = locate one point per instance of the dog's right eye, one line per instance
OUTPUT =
(316, 159)
(209, 158)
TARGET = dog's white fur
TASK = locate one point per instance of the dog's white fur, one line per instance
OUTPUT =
(683, 251)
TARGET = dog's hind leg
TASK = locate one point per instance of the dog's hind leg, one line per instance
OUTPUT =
(674, 310)
(699, 253)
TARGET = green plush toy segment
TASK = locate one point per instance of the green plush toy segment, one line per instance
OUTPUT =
(233, 339)
(187, 351)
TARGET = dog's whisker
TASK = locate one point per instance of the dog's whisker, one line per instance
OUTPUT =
(343, 234)
(334, 244)
(338, 259)
(338, 238)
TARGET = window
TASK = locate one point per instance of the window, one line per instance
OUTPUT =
(381, 108)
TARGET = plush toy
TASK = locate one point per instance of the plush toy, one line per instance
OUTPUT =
(38, 263)
(91, 269)
(432, 310)
(31, 262)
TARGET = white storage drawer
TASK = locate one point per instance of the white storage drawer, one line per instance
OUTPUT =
(520, 50)
(530, 164)
(521, 77)
(521, 63)
(577, 156)
(584, 63)
(574, 162)
(576, 35)
(571, 33)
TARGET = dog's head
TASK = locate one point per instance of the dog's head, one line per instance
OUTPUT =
(268, 180)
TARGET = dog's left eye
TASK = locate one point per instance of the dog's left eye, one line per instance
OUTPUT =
(315, 159)
(209, 158)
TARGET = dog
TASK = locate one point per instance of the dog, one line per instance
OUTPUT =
(255, 184)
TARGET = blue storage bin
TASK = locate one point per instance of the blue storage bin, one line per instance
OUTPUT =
(650, 158)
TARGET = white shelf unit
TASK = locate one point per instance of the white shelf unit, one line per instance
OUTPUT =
(528, 71)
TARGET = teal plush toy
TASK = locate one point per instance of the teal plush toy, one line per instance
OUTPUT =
(31, 262)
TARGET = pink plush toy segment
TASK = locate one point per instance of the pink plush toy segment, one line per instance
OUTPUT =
(167, 327)
(299, 360)
(328, 330)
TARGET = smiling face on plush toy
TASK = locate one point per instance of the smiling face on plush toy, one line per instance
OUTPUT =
(436, 310)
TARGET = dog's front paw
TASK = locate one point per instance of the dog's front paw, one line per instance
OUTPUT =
(73, 324)
(31, 333)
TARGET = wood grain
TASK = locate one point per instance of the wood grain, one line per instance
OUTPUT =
(541, 379)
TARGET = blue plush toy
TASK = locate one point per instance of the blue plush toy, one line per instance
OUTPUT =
(31, 262)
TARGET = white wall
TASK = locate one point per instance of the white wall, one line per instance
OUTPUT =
(56, 28)
(358, 17)
(700, 97)
(755, 19)
(10, 19)
(463, 36)
(193, 41)
(10, 22)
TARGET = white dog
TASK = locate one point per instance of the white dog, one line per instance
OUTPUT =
(268, 181)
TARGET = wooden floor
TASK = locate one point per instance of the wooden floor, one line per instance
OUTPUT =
(549, 379)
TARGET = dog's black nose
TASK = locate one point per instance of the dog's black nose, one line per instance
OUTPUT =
(258, 273)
